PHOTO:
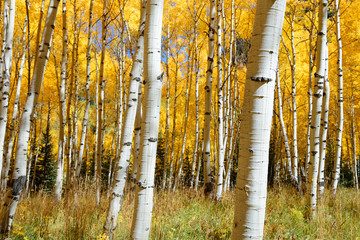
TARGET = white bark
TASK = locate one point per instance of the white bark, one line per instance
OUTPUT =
(250, 199)
(220, 105)
(293, 95)
(150, 120)
(311, 67)
(87, 87)
(167, 124)
(62, 109)
(340, 124)
(19, 177)
(316, 108)
(196, 65)
(324, 130)
(7, 53)
(283, 128)
(13, 124)
(101, 83)
(137, 140)
(122, 167)
(208, 89)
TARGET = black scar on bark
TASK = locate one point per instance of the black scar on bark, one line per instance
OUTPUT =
(18, 185)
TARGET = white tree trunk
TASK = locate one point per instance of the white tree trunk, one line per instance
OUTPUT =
(196, 66)
(62, 110)
(87, 87)
(150, 120)
(101, 83)
(310, 97)
(208, 89)
(250, 199)
(324, 130)
(283, 128)
(220, 106)
(13, 124)
(8, 26)
(340, 124)
(122, 167)
(137, 139)
(316, 108)
(167, 124)
(19, 177)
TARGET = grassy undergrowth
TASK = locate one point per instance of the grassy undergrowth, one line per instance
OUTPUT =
(187, 214)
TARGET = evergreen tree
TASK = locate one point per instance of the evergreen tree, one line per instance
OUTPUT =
(46, 165)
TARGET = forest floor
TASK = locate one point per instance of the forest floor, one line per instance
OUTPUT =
(186, 214)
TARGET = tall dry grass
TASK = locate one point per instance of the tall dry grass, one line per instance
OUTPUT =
(185, 214)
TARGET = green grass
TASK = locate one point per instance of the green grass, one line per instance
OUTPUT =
(187, 214)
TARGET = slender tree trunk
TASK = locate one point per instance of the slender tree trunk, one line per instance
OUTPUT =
(62, 110)
(340, 123)
(127, 131)
(208, 89)
(13, 126)
(220, 106)
(250, 199)
(87, 87)
(316, 108)
(310, 95)
(19, 177)
(7, 55)
(101, 82)
(167, 124)
(286, 141)
(31, 140)
(187, 101)
(174, 126)
(137, 139)
(353, 142)
(196, 66)
(150, 120)
(324, 130)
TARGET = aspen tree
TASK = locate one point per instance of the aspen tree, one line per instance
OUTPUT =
(208, 89)
(324, 128)
(316, 108)
(353, 142)
(283, 128)
(310, 95)
(255, 128)
(121, 171)
(220, 104)
(150, 120)
(75, 75)
(19, 176)
(13, 126)
(196, 66)
(32, 139)
(137, 140)
(101, 83)
(167, 120)
(37, 150)
(292, 61)
(7, 55)
(340, 123)
(174, 118)
(87, 89)
(186, 115)
(62, 108)
(229, 109)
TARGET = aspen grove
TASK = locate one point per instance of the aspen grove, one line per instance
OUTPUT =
(193, 119)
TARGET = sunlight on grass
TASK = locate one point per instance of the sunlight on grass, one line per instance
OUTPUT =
(187, 214)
